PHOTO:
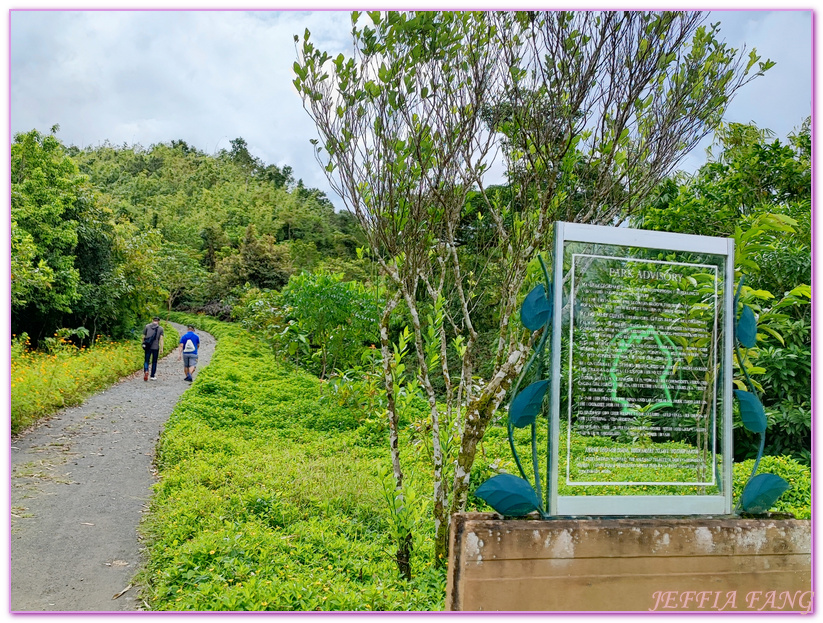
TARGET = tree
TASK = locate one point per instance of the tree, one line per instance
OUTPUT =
(750, 173)
(46, 193)
(260, 262)
(179, 270)
(72, 262)
(615, 96)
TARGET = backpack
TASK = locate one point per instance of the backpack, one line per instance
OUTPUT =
(188, 347)
(147, 340)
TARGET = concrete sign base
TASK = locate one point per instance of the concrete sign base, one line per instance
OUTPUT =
(663, 564)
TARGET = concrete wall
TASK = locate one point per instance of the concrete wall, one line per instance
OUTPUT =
(632, 564)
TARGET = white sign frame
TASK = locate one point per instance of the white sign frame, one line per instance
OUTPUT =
(719, 504)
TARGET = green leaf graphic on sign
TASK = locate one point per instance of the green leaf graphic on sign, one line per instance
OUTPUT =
(509, 495)
(747, 328)
(536, 308)
(762, 492)
(751, 411)
(528, 404)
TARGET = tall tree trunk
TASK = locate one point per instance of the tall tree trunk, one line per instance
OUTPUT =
(441, 519)
(478, 415)
(403, 554)
(388, 380)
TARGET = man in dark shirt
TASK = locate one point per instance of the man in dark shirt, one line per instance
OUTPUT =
(153, 344)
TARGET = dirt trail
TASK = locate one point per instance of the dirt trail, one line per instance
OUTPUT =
(79, 485)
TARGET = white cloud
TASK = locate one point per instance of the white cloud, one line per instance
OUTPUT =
(208, 77)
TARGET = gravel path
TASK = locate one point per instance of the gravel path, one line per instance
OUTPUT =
(79, 485)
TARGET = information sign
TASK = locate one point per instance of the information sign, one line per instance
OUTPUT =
(641, 397)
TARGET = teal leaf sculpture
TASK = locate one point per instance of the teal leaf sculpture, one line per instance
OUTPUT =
(528, 404)
(536, 308)
(751, 411)
(761, 493)
(509, 495)
(746, 331)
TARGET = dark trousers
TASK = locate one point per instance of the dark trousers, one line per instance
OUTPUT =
(151, 355)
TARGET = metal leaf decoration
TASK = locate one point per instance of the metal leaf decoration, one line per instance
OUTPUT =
(762, 492)
(536, 308)
(509, 495)
(746, 331)
(528, 404)
(751, 411)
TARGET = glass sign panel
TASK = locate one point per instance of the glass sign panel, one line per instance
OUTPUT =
(641, 420)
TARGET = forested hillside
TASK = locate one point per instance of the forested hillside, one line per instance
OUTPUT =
(103, 236)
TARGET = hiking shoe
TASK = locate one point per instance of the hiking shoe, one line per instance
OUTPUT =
(145, 376)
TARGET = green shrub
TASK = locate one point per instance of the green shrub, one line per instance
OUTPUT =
(797, 500)
(317, 319)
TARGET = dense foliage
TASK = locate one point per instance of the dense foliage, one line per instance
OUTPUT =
(105, 236)
(229, 218)
(73, 262)
(758, 190)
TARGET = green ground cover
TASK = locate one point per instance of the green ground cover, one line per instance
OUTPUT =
(272, 496)
(272, 499)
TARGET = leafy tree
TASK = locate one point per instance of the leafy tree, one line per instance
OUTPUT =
(29, 274)
(758, 190)
(47, 193)
(179, 271)
(410, 123)
(339, 317)
(73, 263)
(261, 262)
(749, 173)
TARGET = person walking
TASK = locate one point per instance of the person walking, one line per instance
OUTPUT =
(152, 344)
(187, 351)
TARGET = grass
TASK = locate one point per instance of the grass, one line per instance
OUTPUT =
(271, 495)
(42, 383)
(270, 498)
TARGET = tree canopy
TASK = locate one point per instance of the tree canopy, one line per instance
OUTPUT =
(588, 112)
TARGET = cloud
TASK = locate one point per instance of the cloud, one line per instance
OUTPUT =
(780, 99)
(207, 77)
(143, 77)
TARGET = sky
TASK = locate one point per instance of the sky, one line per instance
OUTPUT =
(209, 76)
